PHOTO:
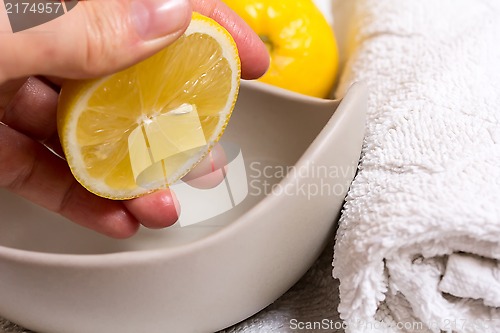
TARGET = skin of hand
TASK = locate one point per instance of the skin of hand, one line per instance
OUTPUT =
(95, 38)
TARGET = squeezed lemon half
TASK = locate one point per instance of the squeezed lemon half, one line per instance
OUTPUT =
(145, 127)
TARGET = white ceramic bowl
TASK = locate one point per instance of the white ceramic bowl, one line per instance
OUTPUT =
(57, 277)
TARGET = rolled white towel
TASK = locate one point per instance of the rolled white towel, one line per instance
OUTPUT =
(419, 237)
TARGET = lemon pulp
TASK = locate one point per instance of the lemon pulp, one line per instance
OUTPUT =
(146, 126)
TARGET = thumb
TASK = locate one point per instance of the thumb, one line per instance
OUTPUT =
(94, 38)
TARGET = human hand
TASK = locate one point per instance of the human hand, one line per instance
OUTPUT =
(95, 38)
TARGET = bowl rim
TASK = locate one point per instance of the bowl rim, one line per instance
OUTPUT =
(141, 256)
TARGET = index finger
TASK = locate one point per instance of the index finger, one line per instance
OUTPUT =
(253, 53)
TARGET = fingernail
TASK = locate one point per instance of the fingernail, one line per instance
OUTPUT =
(177, 205)
(157, 18)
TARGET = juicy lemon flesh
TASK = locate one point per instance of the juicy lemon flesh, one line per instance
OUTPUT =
(135, 94)
(192, 71)
(301, 43)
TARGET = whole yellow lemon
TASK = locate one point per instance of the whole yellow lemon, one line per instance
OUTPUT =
(301, 43)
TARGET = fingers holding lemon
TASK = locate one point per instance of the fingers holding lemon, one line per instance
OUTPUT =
(301, 43)
(145, 127)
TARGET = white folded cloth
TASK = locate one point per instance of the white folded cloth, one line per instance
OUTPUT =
(418, 243)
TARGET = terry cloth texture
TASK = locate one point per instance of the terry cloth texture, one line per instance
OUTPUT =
(419, 239)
